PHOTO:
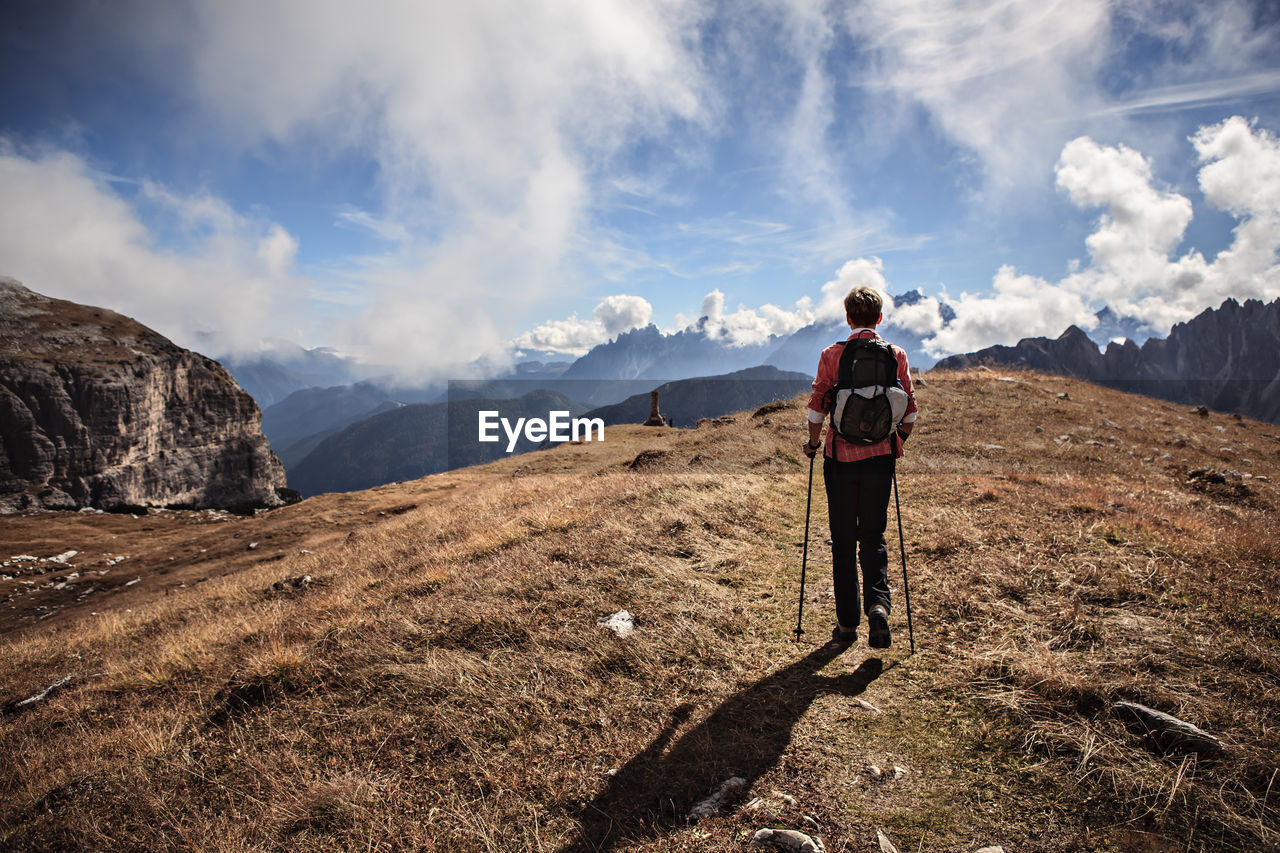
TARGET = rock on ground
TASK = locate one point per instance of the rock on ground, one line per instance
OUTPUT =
(728, 789)
(621, 623)
(788, 839)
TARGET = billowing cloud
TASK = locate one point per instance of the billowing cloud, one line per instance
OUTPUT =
(1242, 177)
(614, 315)
(1132, 269)
(489, 125)
(1131, 265)
(859, 272)
(747, 326)
(922, 318)
(490, 130)
(621, 313)
(65, 231)
(1020, 306)
(1142, 225)
(277, 251)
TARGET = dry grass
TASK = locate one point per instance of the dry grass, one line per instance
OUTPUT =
(442, 684)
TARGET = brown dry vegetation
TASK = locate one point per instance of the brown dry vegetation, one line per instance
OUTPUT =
(443, 683)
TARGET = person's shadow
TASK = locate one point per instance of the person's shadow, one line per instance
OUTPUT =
(744, 736)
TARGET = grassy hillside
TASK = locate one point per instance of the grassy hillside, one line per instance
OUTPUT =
(442, 683)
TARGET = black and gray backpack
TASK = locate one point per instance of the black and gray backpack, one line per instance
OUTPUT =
(868, 398)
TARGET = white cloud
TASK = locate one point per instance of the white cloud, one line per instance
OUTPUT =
(621, 313)
(747, 326)
(277, 251)
(384, 229)
(923, 318)
(859, 272)
(1142, 225)
(494, 130)
(614, 315)
(997, 76)
(1242, 176)
(1020, 306)
(1131, 267)
(66, 232)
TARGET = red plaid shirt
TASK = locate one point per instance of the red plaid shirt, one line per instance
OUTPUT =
(819, 403)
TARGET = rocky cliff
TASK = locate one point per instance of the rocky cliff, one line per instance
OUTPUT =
(1226, 359)
(98, 410)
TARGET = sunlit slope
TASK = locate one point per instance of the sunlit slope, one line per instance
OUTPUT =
(442, 682)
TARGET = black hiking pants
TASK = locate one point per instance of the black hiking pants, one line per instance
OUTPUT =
(858, 509)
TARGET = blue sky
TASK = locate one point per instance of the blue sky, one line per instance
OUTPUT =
(421, 184)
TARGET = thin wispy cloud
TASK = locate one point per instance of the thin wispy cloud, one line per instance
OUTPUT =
(1198, 94)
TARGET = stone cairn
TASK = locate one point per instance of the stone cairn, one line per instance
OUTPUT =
(655, 417)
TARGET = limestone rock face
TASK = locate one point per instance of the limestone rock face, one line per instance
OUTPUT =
(97, 410)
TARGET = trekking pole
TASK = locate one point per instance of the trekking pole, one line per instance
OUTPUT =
(804, 559)
(903, 548)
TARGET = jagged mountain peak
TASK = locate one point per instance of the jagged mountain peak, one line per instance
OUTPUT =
(1226, 358)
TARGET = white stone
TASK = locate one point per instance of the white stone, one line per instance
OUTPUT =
(899, 772)
(621, 623)
(874, 772)
(788, 839)
(728, 789)
(996, 849)
(886, 846)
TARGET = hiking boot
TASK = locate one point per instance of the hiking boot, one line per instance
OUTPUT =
(878, 636)
(839, 635)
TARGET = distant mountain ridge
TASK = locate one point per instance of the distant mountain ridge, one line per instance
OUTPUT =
(1226, 358)
(687, 400)
(647, 353)
(642, 353)
(273, 375)
(298, 422)
(413, 441)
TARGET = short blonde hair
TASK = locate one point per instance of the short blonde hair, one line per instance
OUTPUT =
(863, 306)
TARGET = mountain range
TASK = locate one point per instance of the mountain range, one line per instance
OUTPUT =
(285, 367)
(1227, 359)
(645, 353)
(613, 378)
(412, 441)
(686, 401)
